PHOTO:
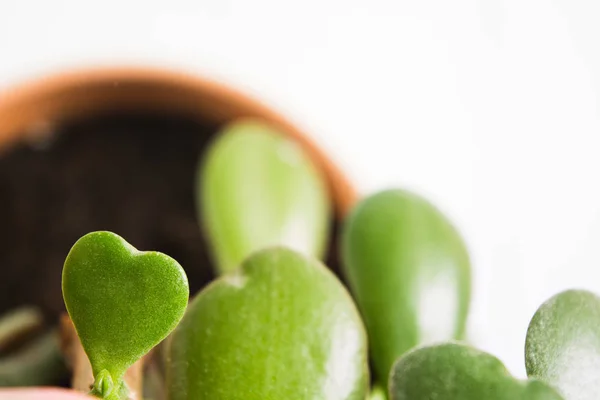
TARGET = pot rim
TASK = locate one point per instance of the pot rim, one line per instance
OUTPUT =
(73, 93)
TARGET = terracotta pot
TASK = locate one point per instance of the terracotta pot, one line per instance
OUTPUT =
(55, 99)
(79, 93)
(42, 393)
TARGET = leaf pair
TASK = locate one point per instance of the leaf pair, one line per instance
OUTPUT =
(562, 350)
(409, 271)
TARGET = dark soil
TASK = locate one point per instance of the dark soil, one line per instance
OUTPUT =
(130, 174)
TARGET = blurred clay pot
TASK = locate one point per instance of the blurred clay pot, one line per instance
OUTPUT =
(58, 98)
(26, 109)
(42, 393)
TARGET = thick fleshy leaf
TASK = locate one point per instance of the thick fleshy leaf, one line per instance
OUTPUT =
(280, 327)
(454, 371)
(257, 188)
(563, 344)
(409, 271)
(122, 302)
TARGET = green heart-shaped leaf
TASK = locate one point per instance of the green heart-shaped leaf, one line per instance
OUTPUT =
(563, 344)
(454, 371)
(258, 188)
(122, 302)
(409, 271)
(280, 327)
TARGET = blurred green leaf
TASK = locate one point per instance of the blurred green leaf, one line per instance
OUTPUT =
(257, 188)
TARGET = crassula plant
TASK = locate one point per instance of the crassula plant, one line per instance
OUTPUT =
(276, 323)
(280, 326)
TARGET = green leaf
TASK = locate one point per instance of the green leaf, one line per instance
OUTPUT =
(563, 344)
(409, 271)
(280, 327)
(377, 393)
(257, 188)
(453, 371)
(122, 302)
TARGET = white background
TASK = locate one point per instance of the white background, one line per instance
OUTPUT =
(489, 108)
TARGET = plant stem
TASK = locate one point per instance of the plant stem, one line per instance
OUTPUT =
(154, 382)
(83, 377)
